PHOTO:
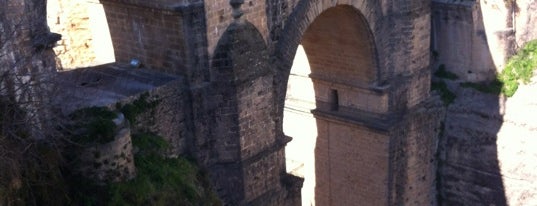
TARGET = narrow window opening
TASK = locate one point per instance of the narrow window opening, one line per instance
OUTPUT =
(334, 100)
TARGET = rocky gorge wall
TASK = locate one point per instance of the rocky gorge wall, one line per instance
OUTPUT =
(483, 150)
(486, 150)
(473, 39)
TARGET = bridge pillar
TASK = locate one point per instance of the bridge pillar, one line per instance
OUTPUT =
(250, 165)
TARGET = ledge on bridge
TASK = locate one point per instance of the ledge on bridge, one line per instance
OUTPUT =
(105, 85)
(165, 5)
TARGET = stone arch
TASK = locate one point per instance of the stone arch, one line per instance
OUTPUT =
(307, 11)
(362, 115)
(339, 43)
(368, 12)
(240, 48)
(248, 151)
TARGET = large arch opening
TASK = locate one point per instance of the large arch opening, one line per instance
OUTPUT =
(86, 39)
(327, 103)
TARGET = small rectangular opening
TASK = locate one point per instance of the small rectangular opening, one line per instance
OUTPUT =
(334, 100)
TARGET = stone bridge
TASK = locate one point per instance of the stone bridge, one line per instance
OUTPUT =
(376, 125)
(370, 71)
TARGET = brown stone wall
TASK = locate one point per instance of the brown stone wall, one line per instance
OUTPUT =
(263, 176)
(109, 162)
(241, 127)
(167, 118)
(25, 44)
(250, 161)
(277, 13)
(350, 99)
(256, 125)
(414, 26)
(72, 20)
(410, 54)
(27, 61)
(417, 90)
(351, 164)
(153, 36)
(414, 150)
(157, 101)
(374, 94)
(340, 48)
(218, 14)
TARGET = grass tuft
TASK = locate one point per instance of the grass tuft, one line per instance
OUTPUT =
(494, 87)
(443, 73)
(447, 96)
(93, 125)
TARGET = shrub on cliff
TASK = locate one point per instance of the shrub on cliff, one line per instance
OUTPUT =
(519, 68)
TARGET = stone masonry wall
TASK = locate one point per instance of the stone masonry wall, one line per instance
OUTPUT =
(219, 16)
(351, 164)
(27, 60)
(153, 36)
(340, 47)
(239, 112)
(245, 140)
(414, 150)
(400, 33)
(256, 125)
(72, 19)
(167, 117)
(158, 102)
(109, 162)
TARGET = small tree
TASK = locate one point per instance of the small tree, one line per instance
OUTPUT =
(29, 158)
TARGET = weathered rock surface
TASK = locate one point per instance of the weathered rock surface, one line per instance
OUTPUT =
(517, 140)
(486, 151)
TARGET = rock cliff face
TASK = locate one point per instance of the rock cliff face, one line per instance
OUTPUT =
(486, 149)
(474, 38)
(468, 166)
(516, 143)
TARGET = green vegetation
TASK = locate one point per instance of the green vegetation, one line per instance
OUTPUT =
(39, 174)
(443, 73)
(32, 177)
(137, 107)
(93, 125)
(435, 55)
(519, 68)
(494, 87)
(447, 96)
(159, 181)
(162, 181)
